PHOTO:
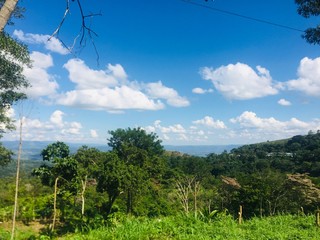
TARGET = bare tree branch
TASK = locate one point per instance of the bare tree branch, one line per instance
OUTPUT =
(85, 30)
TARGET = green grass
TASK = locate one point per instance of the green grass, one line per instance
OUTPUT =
(223, 227)
(188, 227)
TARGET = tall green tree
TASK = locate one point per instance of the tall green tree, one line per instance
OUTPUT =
(140, 162)
(112, 178)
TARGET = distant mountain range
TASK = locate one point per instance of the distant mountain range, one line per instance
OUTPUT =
(200, 150)
(31, 149)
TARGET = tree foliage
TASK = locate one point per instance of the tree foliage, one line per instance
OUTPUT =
(93, 188)
(138, 159)
(13, 57)
(5, 156)
(308, 8)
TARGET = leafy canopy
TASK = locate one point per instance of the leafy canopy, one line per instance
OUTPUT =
(308, 8)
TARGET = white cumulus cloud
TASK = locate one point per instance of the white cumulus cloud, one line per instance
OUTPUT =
(210, 122)
(50, 43)
(250, 128)
(73, 128)
(251, 122)
(239, 81)
(158, 90)
(42, 83)
(57, 118)
(111, 90)
(201, 90)
(284, 102)
(55, 128)
(308, 80)
(86, 78)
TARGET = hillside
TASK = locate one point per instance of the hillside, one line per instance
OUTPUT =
(266, 179)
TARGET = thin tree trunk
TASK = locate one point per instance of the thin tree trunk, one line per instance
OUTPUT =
(84, 185)
(129, 202)
(17, 183)
(55, 203)
(110, 203)
(195, 193)
(6, 11)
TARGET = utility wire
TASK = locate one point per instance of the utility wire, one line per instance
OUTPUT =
(240, 15)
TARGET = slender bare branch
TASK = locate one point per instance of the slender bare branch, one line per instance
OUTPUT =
(85, 30)
(66, 12)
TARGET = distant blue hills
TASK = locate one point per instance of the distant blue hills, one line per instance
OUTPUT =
(31, 149)
(200, 150)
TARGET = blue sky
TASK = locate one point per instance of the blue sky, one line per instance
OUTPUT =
(191, 74)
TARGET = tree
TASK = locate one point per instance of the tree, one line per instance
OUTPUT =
(112, 178)
(62, 172)
(308, 8)
(140, 162)
(87, 160)
(137, 137)
(13, 56)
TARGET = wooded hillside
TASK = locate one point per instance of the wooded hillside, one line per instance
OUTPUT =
(137, 177)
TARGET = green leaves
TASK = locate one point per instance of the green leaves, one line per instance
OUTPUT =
(13, 57)
(308, 8)
(55, 151)
(5, 156)
(135, 137)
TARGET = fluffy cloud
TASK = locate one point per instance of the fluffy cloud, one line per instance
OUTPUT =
(250, 128)
(54, 129)
(254, 124)
(74, 128)
(201, 90)
(50, 43)
(239, 81)
(158, 90)
(308, 80)
(93, 133)
(119, 98)
(110, 90)
(42, 83)
(210, 122)
(245, 128)
(284, 102)
(56, 118)
(184, 135)
(86, 78)
(176, 131)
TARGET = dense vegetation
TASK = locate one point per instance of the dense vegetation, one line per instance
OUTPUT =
(139, 185)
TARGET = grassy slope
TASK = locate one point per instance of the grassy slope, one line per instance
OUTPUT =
(181, 227)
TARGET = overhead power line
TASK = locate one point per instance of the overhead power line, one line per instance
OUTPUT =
(240, 15)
